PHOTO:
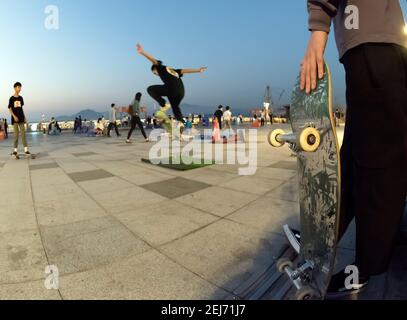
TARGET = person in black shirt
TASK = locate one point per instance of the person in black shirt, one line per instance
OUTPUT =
(219, 115)
(18, 119)
(173, 87)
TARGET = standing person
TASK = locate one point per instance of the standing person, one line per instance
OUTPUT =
(75, 125)
(173, 87)
(18, 120)
(271, 116)
(263, 118)
(6, 128)
(227, 118)
(219, 115)
(375, 61)
(134, 112)
(112, 121)
(338, 117)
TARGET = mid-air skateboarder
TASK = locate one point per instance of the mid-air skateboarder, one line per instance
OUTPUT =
(173, 87)
(18, 120)
(374, 158)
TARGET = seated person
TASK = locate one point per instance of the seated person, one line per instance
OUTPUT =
(188, 124)
(99, 128)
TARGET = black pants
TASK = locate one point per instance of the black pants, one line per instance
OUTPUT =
(136, 121)
(111, 126)
(374, 153)
(174, 97)
(220, 122)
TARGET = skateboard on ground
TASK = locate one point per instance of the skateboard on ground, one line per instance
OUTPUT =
(23, 155)
(315, 142)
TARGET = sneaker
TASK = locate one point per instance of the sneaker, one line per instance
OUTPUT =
(27, 153)
(128, 141)
(337, 288)
(166, 108)
(147, 140)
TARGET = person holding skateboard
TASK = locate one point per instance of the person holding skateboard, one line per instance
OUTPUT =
(375, 61)
(18, 120)
(134, 112)
(173, 87)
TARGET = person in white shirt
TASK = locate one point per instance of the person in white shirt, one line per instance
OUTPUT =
(112, 121)
(227, 119)
(100, 127)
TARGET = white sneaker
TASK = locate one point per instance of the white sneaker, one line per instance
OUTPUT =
(128, 141)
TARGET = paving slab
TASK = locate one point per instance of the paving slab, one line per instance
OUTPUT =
(87, 245)
(165, 221)
(176, 187)
(34, 290)
(90, 175)
(115, 202)
(225, 253)
(150, 276)
(218, 201)
(22, 257)
(268, 215)
(255, 185)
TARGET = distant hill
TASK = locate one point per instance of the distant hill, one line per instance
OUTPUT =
(88, 114)
(186, 108)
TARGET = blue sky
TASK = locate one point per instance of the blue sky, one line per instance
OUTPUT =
(91, 60)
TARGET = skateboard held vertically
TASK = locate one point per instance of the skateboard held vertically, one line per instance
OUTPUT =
(315, 142)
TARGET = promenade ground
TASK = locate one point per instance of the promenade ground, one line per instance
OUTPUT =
(118, 228)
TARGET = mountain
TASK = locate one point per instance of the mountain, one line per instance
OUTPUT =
(88, 114)
(186, 108)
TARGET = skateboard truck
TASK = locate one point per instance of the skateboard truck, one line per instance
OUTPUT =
(308, 140)
(299, 277)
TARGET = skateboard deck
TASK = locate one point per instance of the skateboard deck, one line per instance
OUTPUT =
(23, 155)
(165, 121)
(175, 131)
(315, 142)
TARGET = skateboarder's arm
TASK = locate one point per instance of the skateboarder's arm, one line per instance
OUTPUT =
(320, 13)
(200, 70)
(149, 57)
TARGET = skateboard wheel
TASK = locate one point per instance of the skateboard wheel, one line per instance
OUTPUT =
(284, 263)
(306, 293)
(272, 138)
(309, 140)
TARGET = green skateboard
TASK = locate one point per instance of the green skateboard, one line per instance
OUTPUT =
(165, 121)
(174, 131)
(315, 141)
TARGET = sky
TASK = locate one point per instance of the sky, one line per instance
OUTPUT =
(90, 61)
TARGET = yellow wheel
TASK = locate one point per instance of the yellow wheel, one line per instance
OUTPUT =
(272, 138)
(309, 140)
